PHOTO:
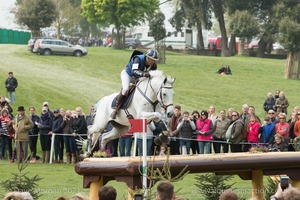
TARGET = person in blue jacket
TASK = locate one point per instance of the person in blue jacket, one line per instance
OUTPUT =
(267, 131)
(138, 66)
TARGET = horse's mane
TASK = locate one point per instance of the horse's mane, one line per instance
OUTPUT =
(156, 73)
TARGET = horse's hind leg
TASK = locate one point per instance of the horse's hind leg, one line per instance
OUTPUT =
(116, 132)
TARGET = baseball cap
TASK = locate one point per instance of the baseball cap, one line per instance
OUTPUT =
(55, 111)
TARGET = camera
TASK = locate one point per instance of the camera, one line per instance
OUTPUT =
(138, 197)
(160, 139)
(273, 149)
(284, 182)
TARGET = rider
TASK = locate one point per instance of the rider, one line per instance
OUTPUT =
(138, 66)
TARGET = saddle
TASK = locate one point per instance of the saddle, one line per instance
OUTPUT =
(128, 96)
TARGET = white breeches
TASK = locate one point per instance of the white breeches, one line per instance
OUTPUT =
(125, 78)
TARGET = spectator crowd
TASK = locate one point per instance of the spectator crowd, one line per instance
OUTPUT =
(201, 132)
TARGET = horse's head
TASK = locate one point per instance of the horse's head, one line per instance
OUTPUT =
(163, 87)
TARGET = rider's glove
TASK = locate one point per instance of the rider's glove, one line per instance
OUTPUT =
(146, 74)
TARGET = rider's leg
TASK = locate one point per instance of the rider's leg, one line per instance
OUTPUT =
(125, 85)
(125, 78)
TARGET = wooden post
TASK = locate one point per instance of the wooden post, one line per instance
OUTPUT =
(130, 192)
(257, 184)
(94, 188)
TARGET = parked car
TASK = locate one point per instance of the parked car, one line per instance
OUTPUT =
(59, 47)
(31, 42)
(132, 43)
(277, 46)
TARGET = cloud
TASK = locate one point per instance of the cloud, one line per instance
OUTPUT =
(6, 18)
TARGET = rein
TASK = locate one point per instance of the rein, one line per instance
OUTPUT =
(154, 103)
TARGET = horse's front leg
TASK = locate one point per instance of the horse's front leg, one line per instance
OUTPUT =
(156, 116)
(116, 132)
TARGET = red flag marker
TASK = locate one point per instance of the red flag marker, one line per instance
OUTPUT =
(137, 125)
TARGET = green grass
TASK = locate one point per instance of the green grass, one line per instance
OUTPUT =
(69, 82)
(61, 180)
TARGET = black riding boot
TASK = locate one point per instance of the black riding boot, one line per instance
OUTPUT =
(119, 103)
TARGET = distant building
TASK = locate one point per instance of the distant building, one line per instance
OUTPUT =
(174, 40)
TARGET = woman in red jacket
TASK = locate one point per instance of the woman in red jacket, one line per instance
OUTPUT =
(205, 127)
(253, 128)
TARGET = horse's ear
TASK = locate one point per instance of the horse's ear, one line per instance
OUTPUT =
(173, 80)
(166, 79)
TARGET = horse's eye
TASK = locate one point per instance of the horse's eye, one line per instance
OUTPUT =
(164, 94)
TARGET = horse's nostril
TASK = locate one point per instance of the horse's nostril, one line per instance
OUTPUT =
(170, 114)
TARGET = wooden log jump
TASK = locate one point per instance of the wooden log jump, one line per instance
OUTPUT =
(249, 166)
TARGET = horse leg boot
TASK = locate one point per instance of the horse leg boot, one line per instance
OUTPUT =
(119, 103)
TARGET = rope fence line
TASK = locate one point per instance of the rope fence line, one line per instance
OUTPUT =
(169, 138)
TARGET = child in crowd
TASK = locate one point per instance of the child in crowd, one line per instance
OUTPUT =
(279, 144)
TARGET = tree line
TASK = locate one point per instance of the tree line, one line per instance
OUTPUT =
(268, 20)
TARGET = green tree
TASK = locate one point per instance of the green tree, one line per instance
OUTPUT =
(75, 2)
(35, 14)
(289, 34)
(212, 185)
(22, 182)
(120, 13)
(268, 24)
(68, 15)
(244, 26)
(157, 26)
(262, 13)
(195, 13)
(218, 7)
(158, 31)
(238, 14)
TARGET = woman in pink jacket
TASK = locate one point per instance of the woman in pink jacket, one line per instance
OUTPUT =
(205, 127)
(253, 128)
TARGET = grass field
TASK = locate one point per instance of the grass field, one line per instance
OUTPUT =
(69, 82)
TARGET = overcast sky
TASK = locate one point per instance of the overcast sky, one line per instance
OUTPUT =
(6, 18)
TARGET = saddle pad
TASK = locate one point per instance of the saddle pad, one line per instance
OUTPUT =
(127, 101)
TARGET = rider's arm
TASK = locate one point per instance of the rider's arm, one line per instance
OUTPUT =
(136, 71)
(140, 73)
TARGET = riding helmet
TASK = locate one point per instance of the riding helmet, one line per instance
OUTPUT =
(153, 54)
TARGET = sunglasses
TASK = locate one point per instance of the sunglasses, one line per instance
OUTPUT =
(233, 115)
(281, 118)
